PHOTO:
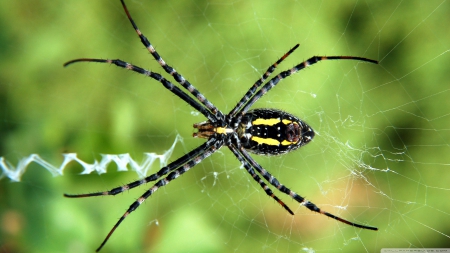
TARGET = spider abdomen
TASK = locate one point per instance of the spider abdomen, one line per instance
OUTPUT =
(273, 132)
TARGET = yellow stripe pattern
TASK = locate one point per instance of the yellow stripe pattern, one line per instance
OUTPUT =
(270, 122)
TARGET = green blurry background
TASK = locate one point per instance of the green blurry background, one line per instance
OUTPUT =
(380, 156)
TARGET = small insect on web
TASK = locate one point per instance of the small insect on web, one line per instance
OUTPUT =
(243, 131)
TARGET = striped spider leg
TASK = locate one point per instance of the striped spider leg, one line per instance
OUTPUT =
(176, 169)
(282, 75)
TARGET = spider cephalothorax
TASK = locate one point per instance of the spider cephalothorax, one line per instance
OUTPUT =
(259, 131)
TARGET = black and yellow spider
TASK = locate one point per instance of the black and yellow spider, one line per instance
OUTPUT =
(258, 131)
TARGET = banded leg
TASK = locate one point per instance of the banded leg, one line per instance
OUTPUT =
(313, 60)
(167, 84)
(250, 170)
(311, 206)
(173, 175)
(258, 83)
(171, 71)
(163, 171)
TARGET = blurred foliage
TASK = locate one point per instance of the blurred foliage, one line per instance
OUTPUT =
(368, 118)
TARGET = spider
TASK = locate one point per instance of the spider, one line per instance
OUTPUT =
(243, 131)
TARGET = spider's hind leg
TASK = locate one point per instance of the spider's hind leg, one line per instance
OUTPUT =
(251, 171)
(311, 206)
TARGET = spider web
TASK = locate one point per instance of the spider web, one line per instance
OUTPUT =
(380, 156)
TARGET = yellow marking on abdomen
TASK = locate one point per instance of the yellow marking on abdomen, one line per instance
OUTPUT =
(267, 122)
(287, 122)
(268, 141)
(286, 143)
